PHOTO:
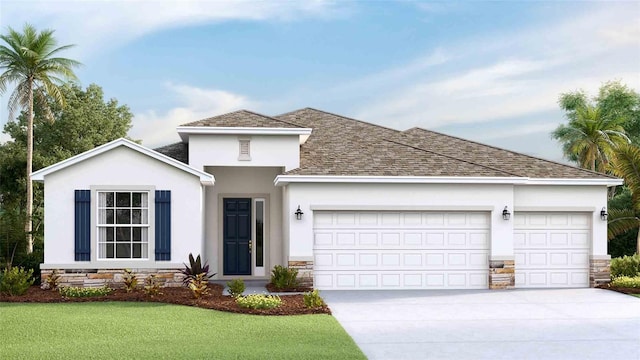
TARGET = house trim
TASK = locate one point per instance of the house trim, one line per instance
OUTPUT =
(185, 131)
(205, 178)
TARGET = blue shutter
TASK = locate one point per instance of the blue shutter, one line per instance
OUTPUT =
(163, 225)
(83, 225)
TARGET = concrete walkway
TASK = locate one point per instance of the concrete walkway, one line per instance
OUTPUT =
(509, 324)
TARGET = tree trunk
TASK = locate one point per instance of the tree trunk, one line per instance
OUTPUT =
(28, 227)
(638, 243)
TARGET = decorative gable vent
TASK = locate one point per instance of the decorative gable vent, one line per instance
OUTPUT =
(245, 150)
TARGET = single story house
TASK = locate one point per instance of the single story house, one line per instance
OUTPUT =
(350, 204)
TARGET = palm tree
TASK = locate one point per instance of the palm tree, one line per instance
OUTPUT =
(30, 61)
(590, 138)
(626, 164)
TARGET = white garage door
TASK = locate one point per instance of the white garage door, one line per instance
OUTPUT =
(401, 250)
(552, 249)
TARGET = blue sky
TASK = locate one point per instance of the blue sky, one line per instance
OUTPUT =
(487, 71)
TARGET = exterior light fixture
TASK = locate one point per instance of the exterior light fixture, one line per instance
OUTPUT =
(506, 215)
(298, 213)
(603, 214)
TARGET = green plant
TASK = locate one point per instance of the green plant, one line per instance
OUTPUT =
(152, 286)
(312, 299)
(284, 277)
(259, 301)
(625, 266)
(194, 268)
(16, 281)
(130, 280)
(236, 287)
(72, 291)
(52, 281)
(199, 286)
(626, 282)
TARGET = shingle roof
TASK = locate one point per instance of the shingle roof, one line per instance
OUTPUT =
(242, 118)
(342, 146)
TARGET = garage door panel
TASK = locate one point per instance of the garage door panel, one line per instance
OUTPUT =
(552, 249)
(401, 280)
(351, 219)
(399, 260)
(401, 239)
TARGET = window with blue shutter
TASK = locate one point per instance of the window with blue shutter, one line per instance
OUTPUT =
(83, 225)
(163, 225)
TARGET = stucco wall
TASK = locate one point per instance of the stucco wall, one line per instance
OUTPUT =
(121, 167)
(441, 197)
(223, 150)
(250, 182)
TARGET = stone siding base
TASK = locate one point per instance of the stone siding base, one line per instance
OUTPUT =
(113, 277)
(502, 274)
(599, 272)
(305, 271)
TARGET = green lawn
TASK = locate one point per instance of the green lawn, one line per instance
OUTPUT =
(119, 330)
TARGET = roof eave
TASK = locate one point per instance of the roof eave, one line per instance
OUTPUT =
(185, 131)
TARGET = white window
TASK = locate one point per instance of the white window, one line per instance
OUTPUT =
(123, 225)
(245, 150)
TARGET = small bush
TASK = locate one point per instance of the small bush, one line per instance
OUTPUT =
(16, 281)
(72, 291)
(51, 282)
(626, 282)
(284, 278)
(259, 301)
(152, 286)
(194, 268)
(236, 287)
(199, 286)
(312, 299)
(625, 266)
(130, 280)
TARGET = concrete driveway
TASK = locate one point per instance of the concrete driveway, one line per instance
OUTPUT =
(507, 324)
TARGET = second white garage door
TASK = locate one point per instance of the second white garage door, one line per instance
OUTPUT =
(401, 250)
(552, 249)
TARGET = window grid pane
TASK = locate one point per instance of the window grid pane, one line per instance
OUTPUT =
(123, 225)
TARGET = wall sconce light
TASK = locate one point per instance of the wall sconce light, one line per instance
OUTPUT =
(298, 213)
(603, 214)
(506, 215)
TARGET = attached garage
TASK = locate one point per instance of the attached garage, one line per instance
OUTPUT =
(552, 249)
(401, 250)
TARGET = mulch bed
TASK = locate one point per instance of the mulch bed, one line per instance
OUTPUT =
(621, 289)
(273, 289)
(291, 304)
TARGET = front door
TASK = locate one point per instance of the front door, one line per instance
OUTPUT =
(237, 236)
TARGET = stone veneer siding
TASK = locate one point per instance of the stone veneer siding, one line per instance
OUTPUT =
(502, 274)
(599, 272)
(305, 271)
(113, 277)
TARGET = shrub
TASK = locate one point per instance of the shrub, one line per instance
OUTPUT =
(152, 286)
(72, 291)
(236, 287)
(626, 282)
(130, 280)
(625, 266)
(312, 299)
(259, 301)
(284, 278)
(199, 285)
(194, 268)
(16, 281)
(51, 282)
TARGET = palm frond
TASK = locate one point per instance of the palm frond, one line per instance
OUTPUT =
(620, 221)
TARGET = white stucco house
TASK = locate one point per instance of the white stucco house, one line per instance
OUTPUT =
(351, 204)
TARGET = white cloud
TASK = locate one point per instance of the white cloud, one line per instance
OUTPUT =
(519, 130)
(507, 76)
(97, 26)
(196, 103)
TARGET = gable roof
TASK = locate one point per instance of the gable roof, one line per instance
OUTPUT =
(242, 118)
(205, 178)
(343, 146)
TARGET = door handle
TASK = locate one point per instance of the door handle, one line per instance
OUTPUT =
(250, 242)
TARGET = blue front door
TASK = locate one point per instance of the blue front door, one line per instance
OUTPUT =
(237, 236)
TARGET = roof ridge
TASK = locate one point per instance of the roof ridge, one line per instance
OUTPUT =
(510, 151)
(452, 157)
(270, 117)
(343, 117)
(241, 111)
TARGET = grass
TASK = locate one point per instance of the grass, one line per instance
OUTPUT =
(123, 330)
(636, 295)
